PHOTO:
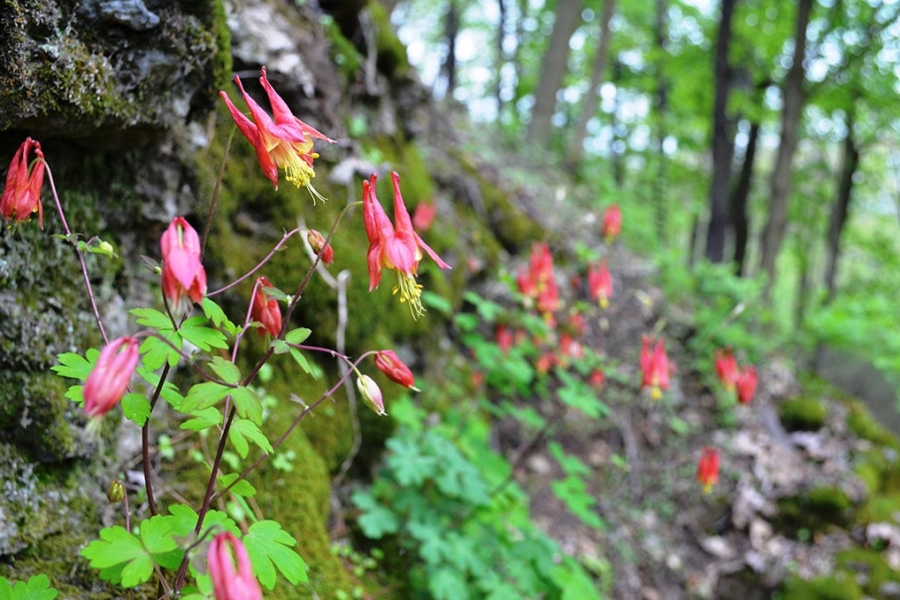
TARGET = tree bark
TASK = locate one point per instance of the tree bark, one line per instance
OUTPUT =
(841, 208)
(451, 32)
(780, 184)
(739, 201)
(553, 68)
(662, 107)
(598, 71)
(501, 55)
(722, 140)
(618, 147)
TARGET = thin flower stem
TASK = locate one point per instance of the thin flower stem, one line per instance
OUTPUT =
(214, 201)
(268, 257)
(87, 279)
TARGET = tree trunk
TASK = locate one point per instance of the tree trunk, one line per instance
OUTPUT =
(451, 32)
(780, 186)
(501, 56)
(739, 201)
(591, 99)
(841, 208)
(553, 68)
(722, 141)
(617, 154)
(662, 106)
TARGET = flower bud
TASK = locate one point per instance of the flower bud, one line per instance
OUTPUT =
(115, 493)
(391, 365)
(230, 583)
(317, 242)
(109, 379)
(371, 394)
(266, 309)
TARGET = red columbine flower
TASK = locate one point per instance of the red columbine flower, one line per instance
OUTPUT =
(503, 335)
(371, 394)
(265, 309)
(399, 249)
(286, 142)
(726, 367)
(390, 364)
(228, 583)
(109, 379)
(182, 271)
(600, 284)
(708, 468)
(612, 223)
(597, 378)
(745, 382)
(22, 194)
(655, 367)
(424, 215)
(317, 243)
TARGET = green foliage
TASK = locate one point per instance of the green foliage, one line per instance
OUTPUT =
(269, 548)
(36, 588)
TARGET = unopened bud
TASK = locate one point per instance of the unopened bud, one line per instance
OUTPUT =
(371, 394)
(317, 242)
(116, 491)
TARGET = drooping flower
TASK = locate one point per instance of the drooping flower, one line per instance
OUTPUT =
(286, 142)
(424, 215)
(398, 248)
(230, 583)
(109, 379)
(317, 243)
(182, 272)
(612, 223)
(265, 309)
(600, 284)
(537, 282)
(503, 335)
(390, 364)
(745, 383)
(22, 194)
(371, 394)
(655, 367)
(726, 368)
(597, 378)
(708, 468)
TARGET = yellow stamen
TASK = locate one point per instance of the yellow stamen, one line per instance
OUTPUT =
(410, 291)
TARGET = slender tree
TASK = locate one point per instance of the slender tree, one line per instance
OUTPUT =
(553, 68)
(451, 32)
(660, 118)
(841, 207)
(722, 140)
(780, 183)
(592, 97)
(739, 197)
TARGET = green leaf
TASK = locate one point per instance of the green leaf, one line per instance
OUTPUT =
(241, 488)
(76, 366)
(297, 336)
(437, 302)
(280, 347)
(225, 369)
(149, 317)
(268, 545)
(195, 331)
(376, 520)
(136, 408)
(203, 419)
(157, 352)
(157, 534)
(241, 430)
(217, 316)
(304, 364)
(247, 404)
(185, 520)
(36, 588)
(410, 466)
(204, 395)
(169, 392)
(116, 547)
(75, 393)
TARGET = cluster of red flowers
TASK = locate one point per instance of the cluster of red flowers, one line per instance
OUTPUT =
(733, 377)
(538, 283)
(611, 226)
(22, 194)
(654, 366)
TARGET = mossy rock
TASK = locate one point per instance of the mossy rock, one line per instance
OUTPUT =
(803, 414)
(872, 567)
(880, 508)
(814, 510)
(862, 424)
(840, 586)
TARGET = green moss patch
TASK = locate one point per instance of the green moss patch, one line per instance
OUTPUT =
(803, 414)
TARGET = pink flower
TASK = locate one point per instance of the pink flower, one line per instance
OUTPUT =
(424, 215)
(708, 468)
(182, 271)
(612, 223)
(317, 243)
(745, 382)
(286, 142)
(600, 284)
(265, 309)
(399, 249)
(371, 394)
(538, 282)
(22, 194)
(655, 367)
(597, 378)
(109, 379)
(228, 583)
(726, 367)
(390, 364)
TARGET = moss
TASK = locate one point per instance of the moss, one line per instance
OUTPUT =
(880, 508)
(803, 414)
(871, 565)
(814, 510)
(861, 423)
(392, 59)
(343, 52)
(840, 586)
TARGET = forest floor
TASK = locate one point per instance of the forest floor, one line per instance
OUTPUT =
(788, 508)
